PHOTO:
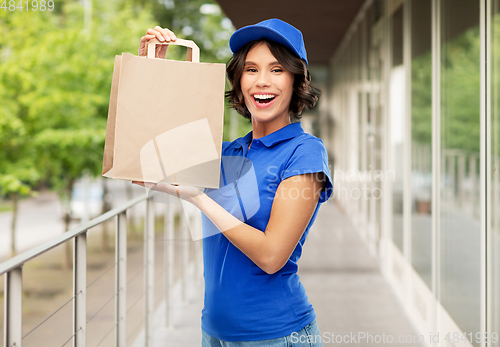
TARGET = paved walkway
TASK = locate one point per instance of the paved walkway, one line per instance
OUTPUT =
(343, 282)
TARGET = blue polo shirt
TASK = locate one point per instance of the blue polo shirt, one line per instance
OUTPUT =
(242, 302)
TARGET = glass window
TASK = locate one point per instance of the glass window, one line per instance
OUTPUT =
(459, 154)
(397, 123)
(495, 170)
(421, 139)
(368, 30)
(374, 129)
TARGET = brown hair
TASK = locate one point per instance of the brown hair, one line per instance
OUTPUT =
(304, 94)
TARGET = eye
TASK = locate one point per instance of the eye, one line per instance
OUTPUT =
(251, 69)
(278, 69)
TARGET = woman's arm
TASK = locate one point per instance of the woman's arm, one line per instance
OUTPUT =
(293, 206)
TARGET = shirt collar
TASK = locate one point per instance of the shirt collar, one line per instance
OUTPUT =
(287, 132)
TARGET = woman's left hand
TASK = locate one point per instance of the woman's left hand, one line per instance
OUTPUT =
(184, 192)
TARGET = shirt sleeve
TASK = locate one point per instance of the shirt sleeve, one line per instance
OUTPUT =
(310, 156)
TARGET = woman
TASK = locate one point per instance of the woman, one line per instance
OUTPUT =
(273, 181)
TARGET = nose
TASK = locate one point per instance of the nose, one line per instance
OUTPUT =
(263, 79)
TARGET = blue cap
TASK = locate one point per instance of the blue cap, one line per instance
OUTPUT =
(273, 30)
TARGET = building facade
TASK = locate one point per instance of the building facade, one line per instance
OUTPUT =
(413, 94)
(410, 115)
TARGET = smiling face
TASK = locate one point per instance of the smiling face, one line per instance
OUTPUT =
(266, 86)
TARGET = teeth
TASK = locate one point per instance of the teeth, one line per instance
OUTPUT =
(264, 96)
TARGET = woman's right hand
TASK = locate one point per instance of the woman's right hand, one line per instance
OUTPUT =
(162, 35)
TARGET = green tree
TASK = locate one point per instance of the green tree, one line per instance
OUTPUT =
(17, 172)
(199, 20)
(55, 82)
(55, 75)
(459, 93)
(421, 99)
(460, 86)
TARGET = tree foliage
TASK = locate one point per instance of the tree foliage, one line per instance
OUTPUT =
(460, 98)
(55, 75)
(460, 92)
(199, 20)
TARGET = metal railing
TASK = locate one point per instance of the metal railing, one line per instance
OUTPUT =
(13, 270)
(459, 177)
(461, 181)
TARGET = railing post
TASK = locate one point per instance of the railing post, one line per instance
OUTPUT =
(13, 317)
(453, 177)
(198, 249)
(121, 279)
(168, 255)
(473, 178)
(428, 159)
(149, 263)
(495, 180)
(443, 174)
(461, 179)
(191, 247)
(80, 290)
(185, 254)
(195, 250)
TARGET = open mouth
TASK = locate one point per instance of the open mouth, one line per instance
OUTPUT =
(264, 98)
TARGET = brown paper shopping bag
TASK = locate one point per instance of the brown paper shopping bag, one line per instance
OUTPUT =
(165, 119)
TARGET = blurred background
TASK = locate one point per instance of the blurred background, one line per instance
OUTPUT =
(409, 114)
(56, 63)
(55, 77)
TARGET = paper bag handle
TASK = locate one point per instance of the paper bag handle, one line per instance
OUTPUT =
(193, 52)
